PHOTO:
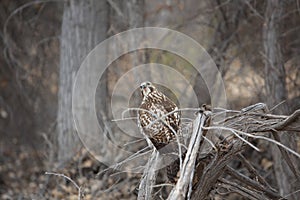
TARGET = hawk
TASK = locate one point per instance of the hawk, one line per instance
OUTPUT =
(158, 116)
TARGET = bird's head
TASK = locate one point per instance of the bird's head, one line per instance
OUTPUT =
(146, 88)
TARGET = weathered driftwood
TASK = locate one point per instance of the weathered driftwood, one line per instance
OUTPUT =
(183, 187)
(149, 177)
(199, 176)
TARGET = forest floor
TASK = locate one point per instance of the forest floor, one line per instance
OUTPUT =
(23, 176)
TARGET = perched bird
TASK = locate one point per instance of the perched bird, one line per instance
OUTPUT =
(159, 120)
(158, 117)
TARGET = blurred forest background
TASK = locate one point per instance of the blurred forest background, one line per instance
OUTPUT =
(255, 45)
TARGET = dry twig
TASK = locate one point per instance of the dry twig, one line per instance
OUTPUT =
(68, 178)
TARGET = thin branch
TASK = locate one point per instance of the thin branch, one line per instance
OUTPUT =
(69, 179)
(239, 189)
(116, 8)
(253, 171)
(235, 132)
(292, 118)
(254, 10)
(244, 179)
(149, 177)
(252, 136)
(287, 157)
(137, 154)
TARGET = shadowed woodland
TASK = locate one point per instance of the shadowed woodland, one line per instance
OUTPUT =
(247, 149)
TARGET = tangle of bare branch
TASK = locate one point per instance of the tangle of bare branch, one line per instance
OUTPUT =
(204, 172)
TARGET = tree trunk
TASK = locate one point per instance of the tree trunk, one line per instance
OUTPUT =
(276, 92)
(84, 26)
(274, 68)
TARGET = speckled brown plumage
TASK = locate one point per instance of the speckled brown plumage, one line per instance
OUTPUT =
(157, 117)
(159, 120)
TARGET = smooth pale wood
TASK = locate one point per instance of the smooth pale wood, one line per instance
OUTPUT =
(181, 190)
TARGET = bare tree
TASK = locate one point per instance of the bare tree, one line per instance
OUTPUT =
(275, 85)
(84, 26)
(274, 68)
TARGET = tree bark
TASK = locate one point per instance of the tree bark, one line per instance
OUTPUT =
(274, 68)
(84, 26)
(275, 85)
